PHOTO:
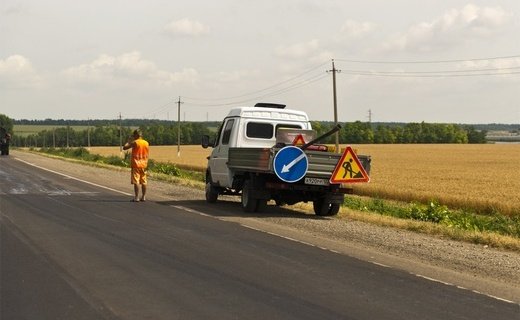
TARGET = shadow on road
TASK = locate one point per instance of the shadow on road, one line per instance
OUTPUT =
(224, 208)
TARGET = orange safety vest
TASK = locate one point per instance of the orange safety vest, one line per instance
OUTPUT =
(140, 154)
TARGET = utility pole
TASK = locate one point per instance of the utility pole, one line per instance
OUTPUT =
(334, 70)
(179, 127)
(120, 134)
(88, 134)
(67, 135)
(54, 138)
(369, 115)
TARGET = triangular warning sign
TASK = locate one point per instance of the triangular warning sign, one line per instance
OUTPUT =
(349, 169)
(298, 140)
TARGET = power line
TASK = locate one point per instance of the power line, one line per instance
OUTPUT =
(292, 87)
(158, 110)
(415, 75)
(261, 90)
(436, 72)
(309, 78)
(427, 61)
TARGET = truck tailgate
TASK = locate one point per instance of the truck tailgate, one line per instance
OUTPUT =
(251, 159)
(321, 164)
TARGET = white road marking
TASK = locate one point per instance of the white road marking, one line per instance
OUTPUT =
(18, 191)
(74, 178)
(380, 264)
(69, 193)
(193, 211)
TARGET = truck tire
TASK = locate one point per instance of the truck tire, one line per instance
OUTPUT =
(212, 193)
(323, 208)
(249, 202)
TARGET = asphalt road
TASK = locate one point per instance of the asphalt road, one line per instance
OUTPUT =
(71, 249)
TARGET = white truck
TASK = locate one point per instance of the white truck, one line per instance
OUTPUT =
(244, 155)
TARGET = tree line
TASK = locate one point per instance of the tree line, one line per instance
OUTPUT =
(365, 133)
(166, 133)
(113, 135)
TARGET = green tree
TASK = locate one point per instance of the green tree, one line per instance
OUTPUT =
(6, 123)
(428, 133)
(412, 133)
(357, 132)
(322, 128)
(384, 134)
(475, 136)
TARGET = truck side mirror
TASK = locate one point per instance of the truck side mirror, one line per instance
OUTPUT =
(205, 142)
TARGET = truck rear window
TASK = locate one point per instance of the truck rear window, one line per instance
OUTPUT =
(259, 130)
(265, 130)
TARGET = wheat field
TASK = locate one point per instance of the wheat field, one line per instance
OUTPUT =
(484, 177)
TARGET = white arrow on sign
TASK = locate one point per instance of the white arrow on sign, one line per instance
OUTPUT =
(287, 167)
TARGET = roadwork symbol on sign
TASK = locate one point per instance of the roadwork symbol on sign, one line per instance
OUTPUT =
(298, 140)
(349, 169)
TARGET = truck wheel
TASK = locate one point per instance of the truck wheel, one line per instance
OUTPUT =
(322, 208)
(249, 202)
(211, 193)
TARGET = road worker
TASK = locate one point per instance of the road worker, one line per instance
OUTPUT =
(139, 163)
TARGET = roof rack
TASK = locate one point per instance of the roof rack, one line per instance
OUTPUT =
(269, 105)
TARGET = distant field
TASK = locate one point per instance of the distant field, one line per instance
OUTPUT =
(481, 177)
(23, 130)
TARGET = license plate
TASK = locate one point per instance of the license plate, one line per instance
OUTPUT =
(317, 181)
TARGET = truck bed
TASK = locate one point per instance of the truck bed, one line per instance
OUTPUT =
(321, 164)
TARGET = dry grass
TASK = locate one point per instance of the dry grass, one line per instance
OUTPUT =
(481, 177)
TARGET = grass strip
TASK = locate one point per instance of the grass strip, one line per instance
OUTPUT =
(436, 213)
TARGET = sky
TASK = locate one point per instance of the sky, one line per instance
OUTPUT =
(436, 61)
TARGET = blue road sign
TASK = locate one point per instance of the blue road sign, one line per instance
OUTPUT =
(290, 164)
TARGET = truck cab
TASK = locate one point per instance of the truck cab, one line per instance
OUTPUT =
(250, 127)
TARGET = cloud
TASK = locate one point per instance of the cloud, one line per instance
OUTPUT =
(128, 68)
(453, 27)
(355, 29)
(505, 66)
(298, 50)
(186, 28)
(13, 9)
(232, 76)
(16, 71)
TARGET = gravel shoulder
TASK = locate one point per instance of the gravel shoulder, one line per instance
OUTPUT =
(475, 267)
